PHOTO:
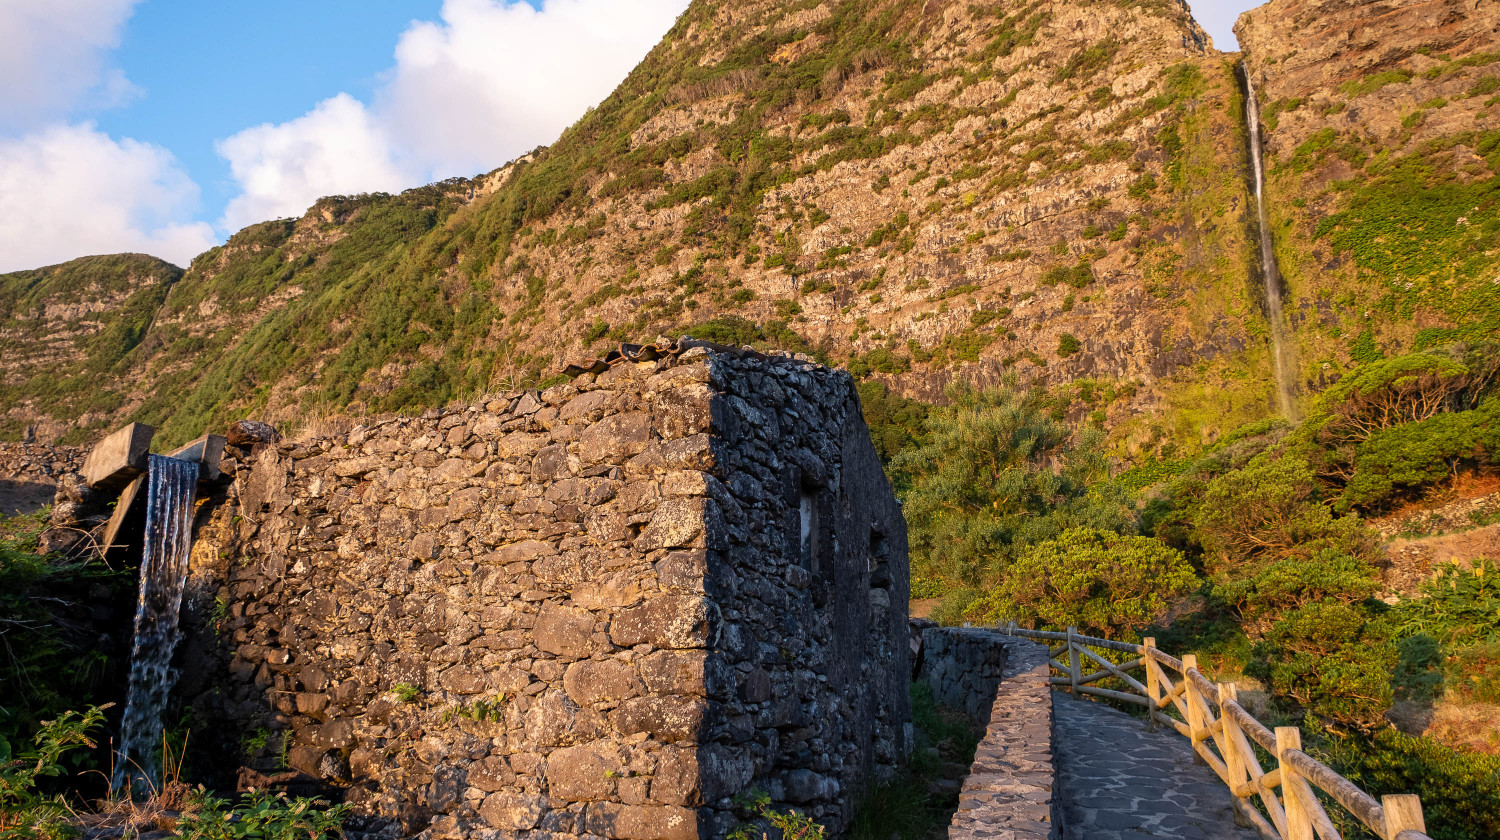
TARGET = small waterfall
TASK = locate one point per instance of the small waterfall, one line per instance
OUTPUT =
(170, 487)
(1272, 272)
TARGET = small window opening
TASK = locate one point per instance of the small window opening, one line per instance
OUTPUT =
(880, 568)
(807, 515)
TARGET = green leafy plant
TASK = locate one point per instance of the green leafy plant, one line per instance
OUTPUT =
(994, 474)
(406, 692)
(1270, 592)
(49, 663)
(1460, 789)
(255, 741)
(1461, 605)
(260, 816)
(1332, 661)
(790, 824)
(24, 812)
(1271, 508)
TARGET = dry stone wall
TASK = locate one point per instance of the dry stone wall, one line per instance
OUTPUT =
(599, 610)
(30, 474)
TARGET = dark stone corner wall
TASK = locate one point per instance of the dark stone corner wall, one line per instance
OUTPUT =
(598, 610)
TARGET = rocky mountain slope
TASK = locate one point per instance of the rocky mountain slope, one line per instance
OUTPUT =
(924, 191)
(1383, 139)
(65, 332)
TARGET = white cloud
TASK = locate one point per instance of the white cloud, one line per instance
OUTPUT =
(67, 189)
(496, 79)
(52, 57)
(281, 169)
(490, 80)
(71, 190)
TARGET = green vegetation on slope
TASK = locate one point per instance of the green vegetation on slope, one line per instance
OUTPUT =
(1257, 547)
(67, 332)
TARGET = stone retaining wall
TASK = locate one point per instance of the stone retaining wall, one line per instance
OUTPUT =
(30, 474)
(1002, 682)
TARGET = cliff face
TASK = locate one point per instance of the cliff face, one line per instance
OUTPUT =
(924, 191)
(1383, 144)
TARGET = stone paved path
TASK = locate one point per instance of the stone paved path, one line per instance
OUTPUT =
(1120, 781)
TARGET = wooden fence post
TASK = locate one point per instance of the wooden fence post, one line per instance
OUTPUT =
(1403, 812)
(1191, 695)
(1073, 664)
(1234, 761)
(1298, 822)
(1153, 685)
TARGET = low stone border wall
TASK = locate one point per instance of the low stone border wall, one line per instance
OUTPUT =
(1001, 681)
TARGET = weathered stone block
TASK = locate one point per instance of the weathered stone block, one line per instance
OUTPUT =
(115, 461)
(616, 438)
(595, 681)
(666, 718)
(676, 524)
(207, 452)
(565, 631)
(669, 621)
(585, 773)
(675, 672)
(640, 822)
(512, 811)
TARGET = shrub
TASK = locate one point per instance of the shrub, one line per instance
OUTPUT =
(1460, 789)
(1414, 455)
(994, 474)
(1285, 586)
(261, 816)
(788, 825)
(1067, 345)
(955, 603)
(1102, 582)
(1461, 605)
(1474, 673)
(1270, 508)
(25, 814)
(1329, 659)
(50, 662)
(1387, 393)
(895, 421)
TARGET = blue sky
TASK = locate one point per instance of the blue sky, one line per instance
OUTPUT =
(209, 69)
(163, 126)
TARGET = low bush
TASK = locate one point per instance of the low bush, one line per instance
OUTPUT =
(1101, 582)
(261, 816)
(25, 812)
(1460, 789)
(1332, 661)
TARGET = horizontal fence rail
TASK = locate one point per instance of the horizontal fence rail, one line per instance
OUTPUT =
(1224, 736)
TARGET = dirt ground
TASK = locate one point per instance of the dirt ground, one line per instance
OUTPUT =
(1456, 523)
(18, 497)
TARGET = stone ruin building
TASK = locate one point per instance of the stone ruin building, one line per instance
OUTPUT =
(599, 610)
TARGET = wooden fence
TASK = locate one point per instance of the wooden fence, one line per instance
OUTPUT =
(1223, 735)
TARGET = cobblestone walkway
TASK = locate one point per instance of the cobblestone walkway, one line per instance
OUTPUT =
(1120, 781)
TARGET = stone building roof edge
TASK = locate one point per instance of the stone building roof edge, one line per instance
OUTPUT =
(668, 349)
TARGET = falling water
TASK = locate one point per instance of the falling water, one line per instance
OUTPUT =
(170, 487)
(1269, 268)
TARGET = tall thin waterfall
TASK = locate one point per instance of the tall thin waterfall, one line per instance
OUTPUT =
(170, 487)
(1279, 348)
